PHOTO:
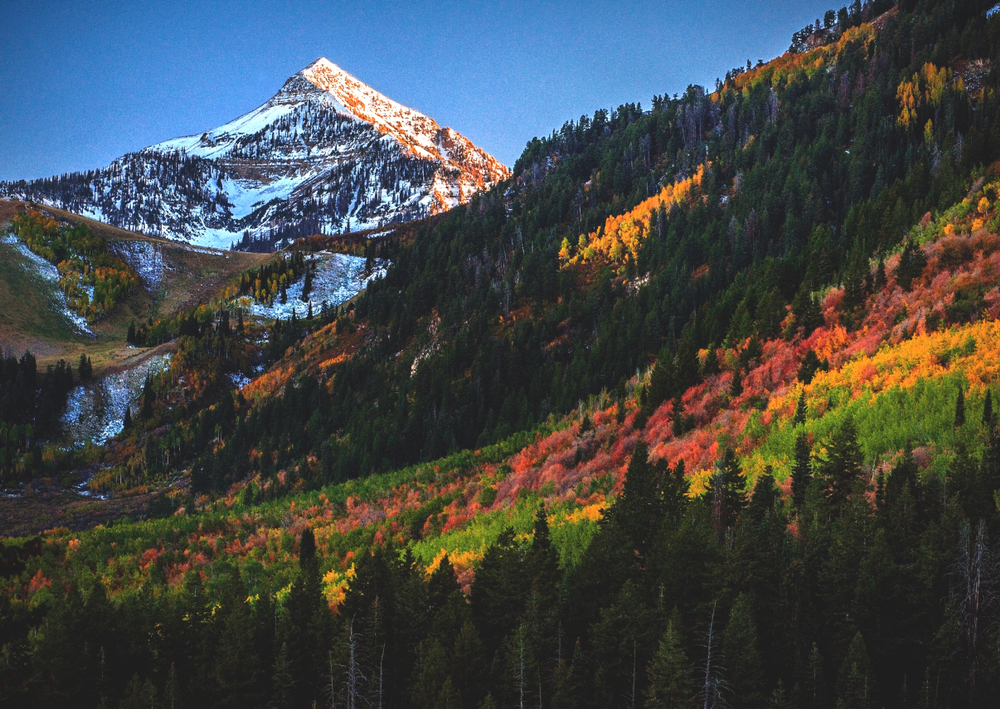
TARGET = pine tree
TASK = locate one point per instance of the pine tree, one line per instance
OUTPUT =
(84, 368)
(802, 470)
(307, 285)
(127, 424)
(570, 681)
(736, 386)
(741, 655)
(911, 265)
(307, 548)
(170, 691)
(800, 410)
(810, 365)
(637, 512)
(765, 496)
(148, 397)
(728, 492)
(841, 470)
(960, 409)
(469, 668)
(854, 686)
(813, 695)
(880, 277)
(661, 382)
(282, 681)
(449, 697)
(669, 672)
(673, 490)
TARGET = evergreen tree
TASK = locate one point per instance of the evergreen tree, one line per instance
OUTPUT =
(960, 409)
(912, 262)
(669, 672)
(880, 277)
(84, 368)
(661, 382)
(989, 472)
(638, 511)
(736, 385)
(800, 409)
(742, 657)
(854, 687)
(813, 693)
(810, 365)
(728, 492)
(673, 490)
(148, 396)
(765, 496)
(307, 548)
(282, 681)
(779, 698)
(801, 470)
(840, 471)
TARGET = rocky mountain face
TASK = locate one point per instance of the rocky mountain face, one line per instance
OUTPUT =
(326, 154)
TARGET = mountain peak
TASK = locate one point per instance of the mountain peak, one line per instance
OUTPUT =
(327, 152)
(369, 105)
(417, 133)
(322, 63)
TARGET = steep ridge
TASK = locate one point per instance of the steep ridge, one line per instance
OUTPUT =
(327, 154)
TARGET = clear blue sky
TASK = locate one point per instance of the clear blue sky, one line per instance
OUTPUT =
(84, 82)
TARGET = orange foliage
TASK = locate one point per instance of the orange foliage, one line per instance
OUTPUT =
(38, 581)
(778, 71)
(621, 237)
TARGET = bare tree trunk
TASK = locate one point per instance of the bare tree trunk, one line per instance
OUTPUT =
(632, 696)
(520, 638)
(712, 684)
(354, 674)
(977, 568)
(381, 677)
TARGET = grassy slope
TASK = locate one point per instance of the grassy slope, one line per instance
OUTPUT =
(27, 317)
(191, 277)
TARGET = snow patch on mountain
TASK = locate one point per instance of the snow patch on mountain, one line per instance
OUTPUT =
(96, 413)
(336, 279)
(326, 154)
(217, 142)
(47, 271)
(143, 257)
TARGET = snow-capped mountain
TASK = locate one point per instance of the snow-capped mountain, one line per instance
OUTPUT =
(326, 154)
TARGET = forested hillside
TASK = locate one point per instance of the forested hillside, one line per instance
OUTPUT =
(697, 409)
(788, 178)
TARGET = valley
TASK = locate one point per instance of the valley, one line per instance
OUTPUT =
(695, 406)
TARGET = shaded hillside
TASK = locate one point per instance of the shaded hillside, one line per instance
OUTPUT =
(700, 410)
(824, 514)
(482, 329)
